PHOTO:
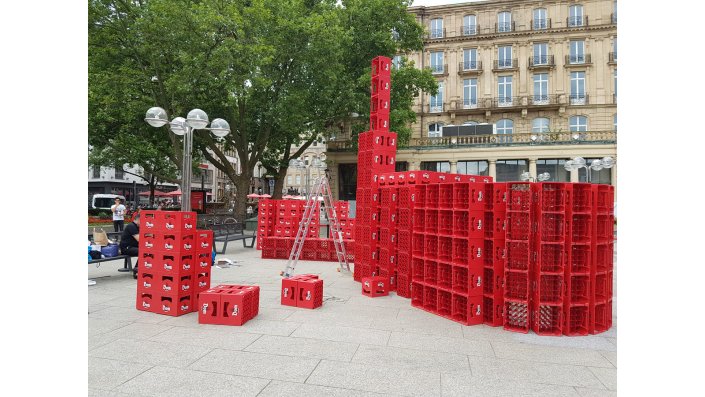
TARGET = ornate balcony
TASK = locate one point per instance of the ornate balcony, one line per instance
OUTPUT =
(436, 107)
(522, 139)
(436, 34)
(505, 64)
(471, 30)
(578, 99)
(508, 102)
(469, 67)
(541, 24)
(542, 62)
(504, 27)
(578, 60)
(544, 100)
(576, 22)
(440, 69)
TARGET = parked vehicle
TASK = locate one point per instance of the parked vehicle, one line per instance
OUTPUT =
(105, 201)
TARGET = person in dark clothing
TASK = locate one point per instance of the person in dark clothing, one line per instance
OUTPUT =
(130, 239)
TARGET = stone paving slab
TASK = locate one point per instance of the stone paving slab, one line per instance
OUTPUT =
(353, 345)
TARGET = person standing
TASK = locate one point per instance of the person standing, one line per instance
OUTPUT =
(130, 239)
(118, 215)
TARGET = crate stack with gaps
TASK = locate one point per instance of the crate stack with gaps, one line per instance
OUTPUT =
(174, 262)
(374, 225)
(519, 255)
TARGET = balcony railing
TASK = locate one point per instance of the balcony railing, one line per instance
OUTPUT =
(613, 18)
(522, 139)
(437, 33)
(502, 64)
(471, 103)
(471, 30)
(578, 99)
(541, 24)
(542, 100)
(439, 69)
(612, 58)
(578, 59)
(507, 101)
(504, 27)
(576, 22)
(435, 108)
(470, 66)
(542, 61)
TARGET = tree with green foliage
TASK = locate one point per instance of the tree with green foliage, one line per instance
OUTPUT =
(281, 72)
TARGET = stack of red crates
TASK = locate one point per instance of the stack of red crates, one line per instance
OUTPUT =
(304, 290)
(376, 155)
(347, 224)
(228, 304)
(174, 262)
(519, 251)
(495, 253)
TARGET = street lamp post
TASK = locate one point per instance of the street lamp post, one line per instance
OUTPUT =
(196, 119)
(579, 162)
(317, 162)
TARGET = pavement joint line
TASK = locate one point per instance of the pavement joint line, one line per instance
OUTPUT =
(547, 362)
(314, 370)
(356, 349)
(469, 367)
(493, 351)
(207, 353)
(150, 367)
(250, 344)
(265, 386)
(598, 378)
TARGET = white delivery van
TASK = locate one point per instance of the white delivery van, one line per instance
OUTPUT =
(105, 201)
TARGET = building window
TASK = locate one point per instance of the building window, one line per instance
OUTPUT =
(541, 89)
(400, 166)
(540, 124)
(575, 16)
(603, 176)
(437, 100)
(469, 25)
(615, 121)
(469, 93)
(288, 180)
(555, 167)
(578, 124)
(505, 127)
(347, 181)
(96, 171)
(510, 170)
(577, 88)
(437, 62)
(504, 57)
(435, 130)
(437, 28)
(396, 62)
(577, 51)
(504, 22)
(504, 90)
(470, 59)
(540, 21)
(540, 54)
(437, 166)
(119, 173)
(480, 167)
(614, 49)
(298, 180)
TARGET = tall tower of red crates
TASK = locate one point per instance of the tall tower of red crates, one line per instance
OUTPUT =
(174, 262)
(376, 154)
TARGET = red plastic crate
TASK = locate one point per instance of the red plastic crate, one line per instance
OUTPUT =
(459, 308)
(551, 227)
(445, 275)
(419, 219)
(581, 228)
(417, 294)
(174, 304)
(404, 241)
(519, 197)
(581, 259)
(475, 312)
(603, 290)
(445, 248)
(476, 254)
(500, 197)
(488, 285)
(518, 226)
(418, 196)
(430, 246)
(460, 252)
(553, 196)
(444, 303)
(379, 121)
(375, 286)
(604, 257)
(475, 280)
(445, 196)
(548, 320)
(430, 298)
(445, 222)
(578, 290)
(488, 225)
(381, 66)
(477, 197)
(460, 196)
(605, 228)
(430, 273)
(431, 221)
(461, 223)
(405, 193)
(604, 197)
(551, 258)
(404, 286)
(581, 198)
(516, 286)
(405, 218)
(177, 221)
(603, 317)
(418, 244)
(550, 289)
(476, 220)
(460, 280)
(417, 269)
(493, 309)
(577, 321)
(403, 263)
(432, 196)
(310, 293)
(518, 255)
(516, 316)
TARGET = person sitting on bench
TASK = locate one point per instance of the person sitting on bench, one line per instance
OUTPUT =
(129, 241)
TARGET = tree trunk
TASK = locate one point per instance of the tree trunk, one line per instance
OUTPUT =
(242, 184)
(279, 183)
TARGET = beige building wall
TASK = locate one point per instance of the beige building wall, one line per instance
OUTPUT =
(599, 33)
(296, 178)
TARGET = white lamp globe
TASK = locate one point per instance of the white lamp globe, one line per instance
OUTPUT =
(220, 128)
(178, 126)
(156, 117)
(579, 161)
(596, 165)
(568, 165)
(197, 119)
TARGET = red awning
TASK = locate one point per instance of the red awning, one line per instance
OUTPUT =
(157, 193)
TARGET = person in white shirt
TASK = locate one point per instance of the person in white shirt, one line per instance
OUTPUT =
(118, 215)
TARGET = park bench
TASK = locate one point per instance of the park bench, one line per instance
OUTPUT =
(230, 231)
(114, 236)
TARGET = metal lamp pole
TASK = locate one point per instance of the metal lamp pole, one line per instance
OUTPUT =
(196, 119)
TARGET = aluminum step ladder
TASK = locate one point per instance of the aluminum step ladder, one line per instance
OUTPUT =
(321, 188)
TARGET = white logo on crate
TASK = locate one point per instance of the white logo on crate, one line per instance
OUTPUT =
(168, 246)
(367, 284)
(148, 244)
(187, 246)
(165, 308)
(188, 226)
(286, 292)
(184, 307)
(479, 281)
(204, 308)
(201, 283)
(166, 287)
(145, 304)
(149, 225)
(204, 245)
(187, 266)
(147, 285)
(167, 266)
(479, 196)
(472, 179)
(479, 252)
(308, 295)
(235, 310)
(169, 226)
(204, 264)
(479, 224)
(185, 287)
(148, 265)
(478, 310)
(380, 284)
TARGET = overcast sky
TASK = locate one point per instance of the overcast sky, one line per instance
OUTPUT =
(439, 2)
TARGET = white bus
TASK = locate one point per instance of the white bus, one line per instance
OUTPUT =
(105, 201)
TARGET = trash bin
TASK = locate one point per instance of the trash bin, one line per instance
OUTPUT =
(251, 224)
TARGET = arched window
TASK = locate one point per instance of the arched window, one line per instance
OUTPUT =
(575, 16)
(578, 124)
(435, 130)
(504, 21)
(505, 126)
(540, 20)
(540, 124)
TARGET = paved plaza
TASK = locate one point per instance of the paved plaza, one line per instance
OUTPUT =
(352, 346)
